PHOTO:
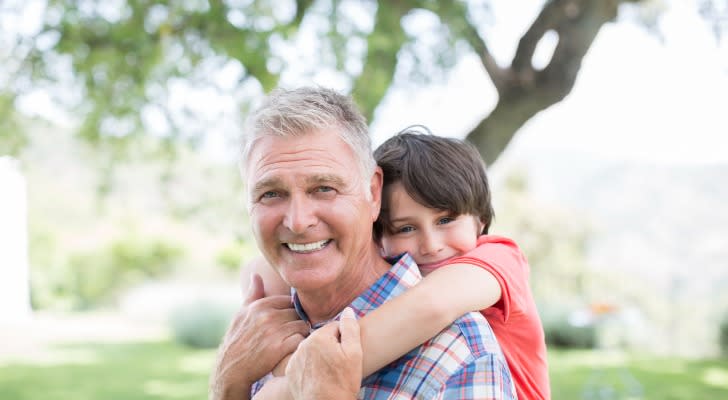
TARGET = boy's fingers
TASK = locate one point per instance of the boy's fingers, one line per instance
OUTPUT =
(350, 335)
(255, 290)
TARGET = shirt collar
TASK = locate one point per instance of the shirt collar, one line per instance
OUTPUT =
(403, 275)
(302, 313)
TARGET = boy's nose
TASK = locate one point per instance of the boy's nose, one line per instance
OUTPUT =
(431, 244)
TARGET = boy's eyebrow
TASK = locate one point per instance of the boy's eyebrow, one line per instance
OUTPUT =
(400, 219)
(406, 217)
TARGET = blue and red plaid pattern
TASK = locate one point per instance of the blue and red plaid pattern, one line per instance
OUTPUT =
(464, 361)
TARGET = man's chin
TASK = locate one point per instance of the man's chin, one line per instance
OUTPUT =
(308, 281)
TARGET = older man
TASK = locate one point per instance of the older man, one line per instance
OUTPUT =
(314, 192)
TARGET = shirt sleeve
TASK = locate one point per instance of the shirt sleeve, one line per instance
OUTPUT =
(259, 384)
(502, 257)
(486, 378)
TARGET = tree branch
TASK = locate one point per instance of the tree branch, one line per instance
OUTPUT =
(383, 45)
(550, 16)
(497, 74)
(301, 7)
(526, 91)
(456, 17)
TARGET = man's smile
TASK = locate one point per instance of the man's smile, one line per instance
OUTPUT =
(307, 247)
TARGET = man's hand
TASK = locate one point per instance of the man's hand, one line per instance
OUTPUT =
(265, 330)
(328, 365)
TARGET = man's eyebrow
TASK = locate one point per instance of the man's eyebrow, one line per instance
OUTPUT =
(266, 184)
(327, 179)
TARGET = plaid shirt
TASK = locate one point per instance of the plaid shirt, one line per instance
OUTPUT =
(464, 361)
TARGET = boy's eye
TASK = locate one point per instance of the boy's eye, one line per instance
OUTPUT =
(445, 220)
(405, 229)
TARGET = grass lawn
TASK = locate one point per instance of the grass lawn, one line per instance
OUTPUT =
(611, 375)
(166, 370)
(138, 371)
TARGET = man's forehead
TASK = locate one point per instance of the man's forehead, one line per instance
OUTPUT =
(270, 145)
(320, 147)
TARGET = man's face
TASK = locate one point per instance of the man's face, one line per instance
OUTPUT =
(310, 208)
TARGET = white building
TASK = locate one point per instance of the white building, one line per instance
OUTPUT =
(14, 276)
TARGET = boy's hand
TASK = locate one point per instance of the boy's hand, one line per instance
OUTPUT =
(328, 365)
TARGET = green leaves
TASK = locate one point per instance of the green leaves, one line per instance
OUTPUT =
(12, 140)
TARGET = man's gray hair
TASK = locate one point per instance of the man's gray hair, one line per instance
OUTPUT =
(304, 110)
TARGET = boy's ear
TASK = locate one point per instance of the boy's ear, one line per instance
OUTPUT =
(375, 187)
(481, 226)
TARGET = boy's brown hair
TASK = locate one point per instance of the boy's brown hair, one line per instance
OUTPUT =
(437, 172)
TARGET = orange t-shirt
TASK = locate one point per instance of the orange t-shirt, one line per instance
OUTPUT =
(514, 318)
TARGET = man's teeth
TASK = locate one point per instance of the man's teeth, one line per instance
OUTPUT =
(307, 247)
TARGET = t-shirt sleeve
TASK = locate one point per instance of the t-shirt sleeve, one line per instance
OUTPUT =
(502, 257)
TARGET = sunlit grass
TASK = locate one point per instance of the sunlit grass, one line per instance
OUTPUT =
(165, 370)
(716, 377)
(57, 356)
(598, 375)
(143, 371)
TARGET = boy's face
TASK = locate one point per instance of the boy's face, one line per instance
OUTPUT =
(431, 236)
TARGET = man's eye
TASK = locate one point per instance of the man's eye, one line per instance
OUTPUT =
(269, 195)
(324, 189)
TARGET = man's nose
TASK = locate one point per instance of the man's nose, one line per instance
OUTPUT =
(300, 215)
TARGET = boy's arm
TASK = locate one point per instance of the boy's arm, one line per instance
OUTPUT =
(417, 315)
(387, 333)
(273, 284)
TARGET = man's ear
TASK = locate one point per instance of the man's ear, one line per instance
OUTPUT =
(375, 188)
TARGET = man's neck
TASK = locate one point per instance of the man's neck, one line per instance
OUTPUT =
(326, 303)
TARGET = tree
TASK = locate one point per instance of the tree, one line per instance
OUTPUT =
(125, 56)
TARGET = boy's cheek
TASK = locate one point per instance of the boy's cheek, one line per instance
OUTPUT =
(393, 247)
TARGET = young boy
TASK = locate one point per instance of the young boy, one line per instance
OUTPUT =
(436, 206)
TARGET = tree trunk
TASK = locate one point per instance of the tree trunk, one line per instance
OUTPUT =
(524, 91)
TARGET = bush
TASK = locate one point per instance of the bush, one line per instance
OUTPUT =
(230, 257)
(201, 324)
(236, 254)
(723, 336)
(563, 333)
(94, 277)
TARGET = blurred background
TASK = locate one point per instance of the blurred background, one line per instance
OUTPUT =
(123, 229)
